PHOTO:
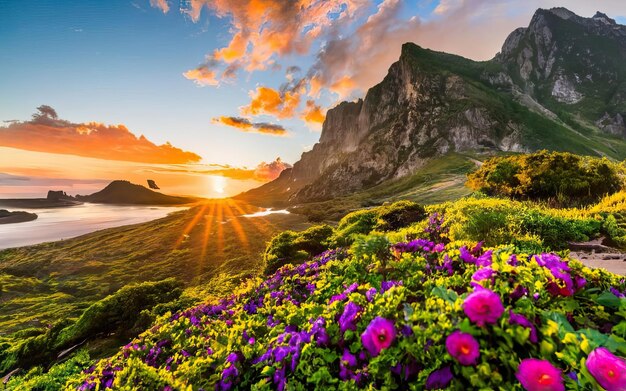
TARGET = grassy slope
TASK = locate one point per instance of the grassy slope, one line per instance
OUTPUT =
(45, 283)
(440, 179)
(540, 132)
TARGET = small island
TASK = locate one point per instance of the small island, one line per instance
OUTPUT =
(7, 217)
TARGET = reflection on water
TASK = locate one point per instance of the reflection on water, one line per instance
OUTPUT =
(63, 223)
(267, 212)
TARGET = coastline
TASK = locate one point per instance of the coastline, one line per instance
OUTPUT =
(7, 217)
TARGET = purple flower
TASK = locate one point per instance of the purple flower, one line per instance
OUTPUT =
(472, 256)
(378, 335)
(406, 371)
(562, 284)
(386, 285)
(438, 379)
(617, 293)
(318, 331)
(483, 306)
(369, 295)
(347, 363)
(342, 296)
(279, 379)
(518, 293)
(608, 369)
(466, 256)
(539, 375)
(446, 265)
(524, 322)
(463, 347)
(485, 259)
(348, 319)
(483, 274)
(513, 260)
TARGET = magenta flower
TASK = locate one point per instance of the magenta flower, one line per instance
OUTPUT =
(539, 375)
(483, 306)
(378, 335)
(608, 369)
(463, 347)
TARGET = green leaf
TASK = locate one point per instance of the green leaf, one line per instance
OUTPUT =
(560, 319)
(446, 294)
(608, 299)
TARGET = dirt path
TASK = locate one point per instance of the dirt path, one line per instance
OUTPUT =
(615, 263)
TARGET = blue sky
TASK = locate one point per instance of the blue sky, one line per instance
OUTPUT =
(122, 62)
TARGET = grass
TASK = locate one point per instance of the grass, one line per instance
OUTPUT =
(440, 179)
(43, 284)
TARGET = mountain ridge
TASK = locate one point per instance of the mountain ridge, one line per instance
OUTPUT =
(433, 103)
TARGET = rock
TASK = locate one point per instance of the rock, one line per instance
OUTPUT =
(612, 124)
(564, 91)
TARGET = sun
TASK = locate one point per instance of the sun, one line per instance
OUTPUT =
(218, 184)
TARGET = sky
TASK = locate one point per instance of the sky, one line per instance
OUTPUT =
(211, 85)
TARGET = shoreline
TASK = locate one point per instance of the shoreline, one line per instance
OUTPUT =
(57, 224)
(37, 203)
(7, 217)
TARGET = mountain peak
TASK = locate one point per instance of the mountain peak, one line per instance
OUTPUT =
(603, 18)
(561, 12)
(557, 84)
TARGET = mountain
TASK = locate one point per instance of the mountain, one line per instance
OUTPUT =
(124, 192)
(558, 84)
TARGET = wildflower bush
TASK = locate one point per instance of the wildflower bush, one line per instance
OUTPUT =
(416, 314)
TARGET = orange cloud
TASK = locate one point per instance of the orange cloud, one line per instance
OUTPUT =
(160, 4)
(268, 101)
(343, 87)
(262, 172)
(264, 30)
(246, 125)
(47, 133)
(313, 114)
(202, 76)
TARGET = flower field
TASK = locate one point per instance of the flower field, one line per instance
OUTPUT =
(417, 314)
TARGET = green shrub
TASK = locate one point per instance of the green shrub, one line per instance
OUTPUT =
(556, 231)
(291, 247)
(55, 378)
(360, 222)
(398, 215)
(118, 313)
(390, 217)
(560, 177)
(501, 221)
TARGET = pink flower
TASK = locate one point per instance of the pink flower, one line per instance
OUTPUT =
(378, 335)
(483, 306)
(608, 369)
(539, 375)
(463, 347)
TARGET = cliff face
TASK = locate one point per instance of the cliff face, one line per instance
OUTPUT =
(429, 104)
(571, 64)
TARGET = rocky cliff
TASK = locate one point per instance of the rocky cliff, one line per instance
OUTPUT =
(558, 84)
